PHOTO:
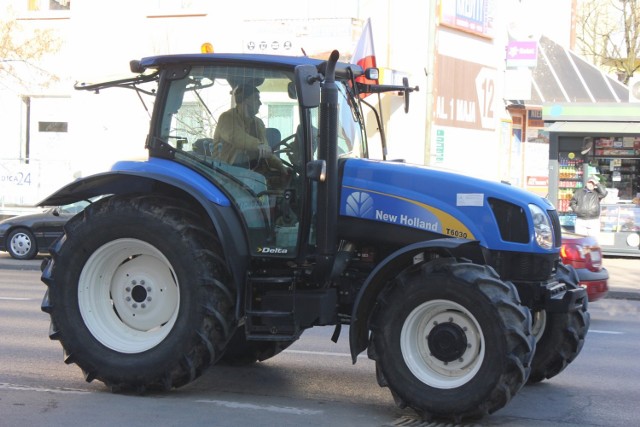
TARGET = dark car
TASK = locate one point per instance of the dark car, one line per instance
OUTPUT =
(24, 236)
(585, 255)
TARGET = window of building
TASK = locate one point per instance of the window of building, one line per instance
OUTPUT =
(42, 5)
(52, 126)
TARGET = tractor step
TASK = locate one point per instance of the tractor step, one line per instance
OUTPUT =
(269, 325)
(266, 321)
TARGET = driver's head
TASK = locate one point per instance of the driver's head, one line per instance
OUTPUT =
(248, 97)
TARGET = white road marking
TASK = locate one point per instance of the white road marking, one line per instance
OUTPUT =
(595, 331)
(268, 408)
(5, 386)
(17, 299)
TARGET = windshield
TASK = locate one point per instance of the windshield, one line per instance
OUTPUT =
(196, 103)
(350, 137)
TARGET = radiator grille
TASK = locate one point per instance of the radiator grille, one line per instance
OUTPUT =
(511, 220)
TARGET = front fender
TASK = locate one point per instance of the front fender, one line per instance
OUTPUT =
(389, 268)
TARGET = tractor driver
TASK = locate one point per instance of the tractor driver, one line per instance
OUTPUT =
(240, 137)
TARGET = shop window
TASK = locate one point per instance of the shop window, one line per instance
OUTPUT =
(52, 126)
(174, 8)
(42, 5)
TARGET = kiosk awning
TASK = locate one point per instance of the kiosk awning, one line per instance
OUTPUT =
(599, 128)
(561, 75)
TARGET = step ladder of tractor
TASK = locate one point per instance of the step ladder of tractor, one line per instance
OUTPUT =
(262, 332)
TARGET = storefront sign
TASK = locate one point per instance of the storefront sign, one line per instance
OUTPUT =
(534, 119)
(439, 145)
(472, 16)
(18, 182)
(537, 181)
(466, 94)
(522, 54)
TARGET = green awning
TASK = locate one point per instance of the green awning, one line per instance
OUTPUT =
(596, 128)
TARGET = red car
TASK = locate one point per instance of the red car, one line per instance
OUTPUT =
(585, 255)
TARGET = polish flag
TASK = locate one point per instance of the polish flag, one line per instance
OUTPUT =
(364, 55)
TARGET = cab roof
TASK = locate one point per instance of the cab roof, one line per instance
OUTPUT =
(276, 61)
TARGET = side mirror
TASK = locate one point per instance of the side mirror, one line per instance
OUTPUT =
(407, 90)
(308, 85)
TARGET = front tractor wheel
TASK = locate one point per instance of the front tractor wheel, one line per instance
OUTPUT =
(138, 293)
(454, 346)
(451, 340)
(560, 336)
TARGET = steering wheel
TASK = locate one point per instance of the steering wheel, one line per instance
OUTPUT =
(285, 146)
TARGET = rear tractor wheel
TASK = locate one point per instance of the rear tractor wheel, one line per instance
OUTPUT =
(138, 293)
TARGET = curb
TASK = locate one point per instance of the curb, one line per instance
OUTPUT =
(630, 295)
(24, 267)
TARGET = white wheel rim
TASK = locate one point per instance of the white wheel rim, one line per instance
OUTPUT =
(418, 356)
(128, 295)
(20, 244)
(538, 324)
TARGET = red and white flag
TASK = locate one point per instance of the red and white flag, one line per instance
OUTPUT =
(364, 54)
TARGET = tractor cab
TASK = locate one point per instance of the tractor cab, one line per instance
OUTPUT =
(250, 125)
(243, 128)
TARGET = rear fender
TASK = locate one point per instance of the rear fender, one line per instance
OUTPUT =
(388, 269)
(182, 183)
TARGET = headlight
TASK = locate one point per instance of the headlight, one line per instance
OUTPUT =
(542, 227)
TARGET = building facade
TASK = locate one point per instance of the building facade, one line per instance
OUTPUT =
(462, 118)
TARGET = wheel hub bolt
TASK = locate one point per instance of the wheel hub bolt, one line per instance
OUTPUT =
(138, 293)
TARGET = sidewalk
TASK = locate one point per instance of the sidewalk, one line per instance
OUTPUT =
(624, 277)
(624, 273)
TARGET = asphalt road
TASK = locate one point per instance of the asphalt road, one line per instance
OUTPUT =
(313, 383)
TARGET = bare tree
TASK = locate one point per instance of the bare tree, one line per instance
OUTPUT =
(608, 34)
(22, 51)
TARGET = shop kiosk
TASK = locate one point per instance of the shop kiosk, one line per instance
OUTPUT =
(602, 140)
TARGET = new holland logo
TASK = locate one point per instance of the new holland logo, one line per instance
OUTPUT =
(359, 204)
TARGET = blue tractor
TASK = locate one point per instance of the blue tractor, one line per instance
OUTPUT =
(214, 251)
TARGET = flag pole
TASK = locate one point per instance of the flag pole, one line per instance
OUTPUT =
(365, 56)
(383, 139)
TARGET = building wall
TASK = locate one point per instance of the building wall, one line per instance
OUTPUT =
(456, 120)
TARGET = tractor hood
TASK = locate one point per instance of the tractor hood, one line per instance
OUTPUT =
(495, 214)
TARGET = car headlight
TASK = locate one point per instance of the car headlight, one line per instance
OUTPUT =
(541, 227)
